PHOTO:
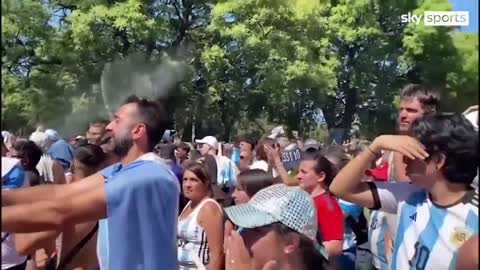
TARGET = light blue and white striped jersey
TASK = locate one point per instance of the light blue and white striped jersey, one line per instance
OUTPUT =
(426, 235)
(353, 210)
(377, 227)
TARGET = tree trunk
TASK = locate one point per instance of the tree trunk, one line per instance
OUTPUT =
(351, 101)
(346, 94)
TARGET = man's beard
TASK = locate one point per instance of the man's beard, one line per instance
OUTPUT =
(122, 145)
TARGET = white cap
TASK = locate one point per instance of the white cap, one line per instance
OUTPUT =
(210, 140)
(39, 138)
(276, 132)
(52, 134)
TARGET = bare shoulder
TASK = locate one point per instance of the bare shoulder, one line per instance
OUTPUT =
(210, 209)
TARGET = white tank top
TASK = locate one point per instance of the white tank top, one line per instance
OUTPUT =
(192, 240)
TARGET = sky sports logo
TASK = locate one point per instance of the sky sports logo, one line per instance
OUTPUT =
(438, 18)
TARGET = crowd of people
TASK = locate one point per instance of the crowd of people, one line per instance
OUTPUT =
(129, 195)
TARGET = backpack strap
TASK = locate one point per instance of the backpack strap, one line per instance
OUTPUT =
(5, 237)
(67, 259)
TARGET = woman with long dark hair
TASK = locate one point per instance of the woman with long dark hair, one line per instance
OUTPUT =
(315, 175)
(200, 225)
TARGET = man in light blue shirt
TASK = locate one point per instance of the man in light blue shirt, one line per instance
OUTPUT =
(135, 200)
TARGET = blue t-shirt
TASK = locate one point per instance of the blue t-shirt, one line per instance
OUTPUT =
(140, 229)
(14, 178)
(63, 153)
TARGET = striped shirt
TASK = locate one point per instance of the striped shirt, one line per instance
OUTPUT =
(377, 227)
(426, 235)
(192, 240)
(354, 211)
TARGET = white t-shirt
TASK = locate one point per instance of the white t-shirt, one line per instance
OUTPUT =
(259, 164)
(262, 165)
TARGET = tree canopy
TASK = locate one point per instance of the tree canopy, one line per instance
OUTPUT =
(225, 66)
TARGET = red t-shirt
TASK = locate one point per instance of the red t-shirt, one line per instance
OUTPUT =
(330, 217)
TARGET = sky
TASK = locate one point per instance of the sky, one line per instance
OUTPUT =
(472, 7)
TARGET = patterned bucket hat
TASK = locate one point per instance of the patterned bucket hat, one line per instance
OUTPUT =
(290, 206)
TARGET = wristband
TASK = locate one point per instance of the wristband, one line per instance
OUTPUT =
(373, 152)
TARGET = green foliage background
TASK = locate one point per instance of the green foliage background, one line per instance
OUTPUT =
(228, 66)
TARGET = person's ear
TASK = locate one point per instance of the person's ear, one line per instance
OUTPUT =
(321, 177)
(439, 161)
(139, 130)
(292, 242)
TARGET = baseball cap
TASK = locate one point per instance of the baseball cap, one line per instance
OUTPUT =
(52, 134)
(380, 172)
(311, 143)
(290, 206)
(210, 140)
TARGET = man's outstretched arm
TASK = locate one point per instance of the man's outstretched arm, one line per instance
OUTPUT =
(86, 201)
(49, 192)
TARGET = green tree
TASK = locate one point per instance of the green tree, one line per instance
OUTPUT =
(269, 58)
(249, 61)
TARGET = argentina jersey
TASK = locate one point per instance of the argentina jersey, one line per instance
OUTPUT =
(426, 235)
(352, 213)
(377, 228)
